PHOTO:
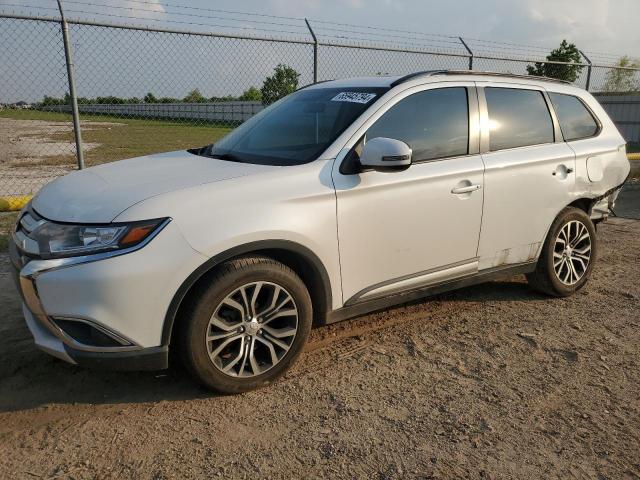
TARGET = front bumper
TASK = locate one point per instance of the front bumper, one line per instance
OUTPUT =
(122, 298)
(51, 339)
(152, 358)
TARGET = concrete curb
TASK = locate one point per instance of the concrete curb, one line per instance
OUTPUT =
(14, 203)
(633, 156)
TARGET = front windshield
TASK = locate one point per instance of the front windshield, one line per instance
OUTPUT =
(297, 128)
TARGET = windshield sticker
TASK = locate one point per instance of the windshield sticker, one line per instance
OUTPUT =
(354, 97)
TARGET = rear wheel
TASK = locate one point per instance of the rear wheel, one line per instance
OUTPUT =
(567, 256)
(247, 325)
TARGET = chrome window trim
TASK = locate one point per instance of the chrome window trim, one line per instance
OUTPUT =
(473, 145)
(585, 105)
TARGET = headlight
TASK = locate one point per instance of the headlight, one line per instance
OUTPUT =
(63, 240)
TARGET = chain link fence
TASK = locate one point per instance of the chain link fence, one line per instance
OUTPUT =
(142, 90)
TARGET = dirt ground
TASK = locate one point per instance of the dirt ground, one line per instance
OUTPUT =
(34, 152)
(488, 382)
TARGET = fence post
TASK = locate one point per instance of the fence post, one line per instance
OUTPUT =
(464, 44)
(72, 86)
(315, 52)
(588, 69)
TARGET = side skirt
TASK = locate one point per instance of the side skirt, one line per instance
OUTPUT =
(367, 306)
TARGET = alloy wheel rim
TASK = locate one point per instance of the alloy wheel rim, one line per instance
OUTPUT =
(252, 329)
(572, 252)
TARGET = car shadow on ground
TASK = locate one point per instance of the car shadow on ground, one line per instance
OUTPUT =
(43, 380)
(30, 378)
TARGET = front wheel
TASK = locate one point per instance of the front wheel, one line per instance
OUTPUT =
(247, 324)
(567, 256)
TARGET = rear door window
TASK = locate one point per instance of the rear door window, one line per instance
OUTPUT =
(576, 121)
(517, 118)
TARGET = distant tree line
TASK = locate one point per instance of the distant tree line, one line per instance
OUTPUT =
(620, 78)
(194, 96)
(283, 82)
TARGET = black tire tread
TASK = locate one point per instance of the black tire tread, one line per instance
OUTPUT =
(214, 277)
(540, 279)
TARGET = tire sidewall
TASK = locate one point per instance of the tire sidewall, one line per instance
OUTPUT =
(196, 351)
(568, 216)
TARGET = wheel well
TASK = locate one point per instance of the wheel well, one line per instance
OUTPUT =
(584, 204)
(309, 274)
(302, 261)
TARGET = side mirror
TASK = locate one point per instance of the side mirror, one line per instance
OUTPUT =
(385, 153)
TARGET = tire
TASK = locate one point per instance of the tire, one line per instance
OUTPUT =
(246, 323)
(553, 274)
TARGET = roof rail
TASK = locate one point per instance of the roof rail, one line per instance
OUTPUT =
(429, 73)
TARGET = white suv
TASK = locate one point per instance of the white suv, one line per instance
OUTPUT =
(342, 198)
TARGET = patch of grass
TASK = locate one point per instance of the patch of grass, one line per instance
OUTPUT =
(132, 137)
(6, 223)
(633, 147)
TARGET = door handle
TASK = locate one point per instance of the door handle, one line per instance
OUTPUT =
(467, 189)
(568, 171)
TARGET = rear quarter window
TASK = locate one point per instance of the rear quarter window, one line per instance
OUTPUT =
(517, 118)
(576, 121)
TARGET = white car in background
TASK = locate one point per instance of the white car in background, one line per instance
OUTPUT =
(342, 198)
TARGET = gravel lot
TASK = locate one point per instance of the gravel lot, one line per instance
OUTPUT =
(27, 148)
(492, 381)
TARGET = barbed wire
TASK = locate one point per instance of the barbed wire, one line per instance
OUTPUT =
(324, 29)
(78, 2)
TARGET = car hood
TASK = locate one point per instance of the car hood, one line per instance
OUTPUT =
(98, 194)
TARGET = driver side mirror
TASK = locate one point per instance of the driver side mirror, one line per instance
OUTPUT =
(385, 154)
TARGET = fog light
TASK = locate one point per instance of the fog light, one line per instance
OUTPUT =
(88, 334)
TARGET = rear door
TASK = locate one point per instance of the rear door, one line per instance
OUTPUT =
(404, 229)
(529, 172)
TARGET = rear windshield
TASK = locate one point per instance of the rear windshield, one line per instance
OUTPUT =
(297, 128)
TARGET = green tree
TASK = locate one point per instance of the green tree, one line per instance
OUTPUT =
(48, 101)
(621, 79)
(226, 98)
(150, 98)
(194, 96)
(567, 52)
(283, 82)
(252, 94)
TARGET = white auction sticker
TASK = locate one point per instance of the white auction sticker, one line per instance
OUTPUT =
(355, 97)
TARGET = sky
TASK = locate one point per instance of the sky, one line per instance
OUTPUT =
(609, 26)
(130, 63)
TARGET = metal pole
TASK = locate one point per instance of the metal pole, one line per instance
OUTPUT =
(315, 52)
(464, 44)
(588, 69)
(72, 86)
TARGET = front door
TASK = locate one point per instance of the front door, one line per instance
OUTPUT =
(405, 229)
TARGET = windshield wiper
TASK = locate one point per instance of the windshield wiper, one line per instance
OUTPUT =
(208, 152)
(202, 151)
(227, 156)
